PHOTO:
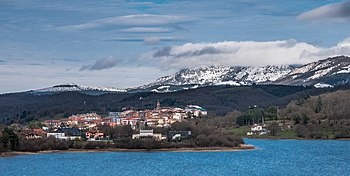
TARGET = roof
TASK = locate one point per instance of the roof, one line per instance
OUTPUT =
(73, 131)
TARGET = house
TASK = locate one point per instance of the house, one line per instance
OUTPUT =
(257, 129)
(114, 114)
(129, 113)
(56, 135)
(62, 136)
(66, 134)
(34, 133)
(94, 135)
(133, 121)
(106, 121)
(52, 123)
(148, 134)
(178, 135)
(70, 131)
(196, 111)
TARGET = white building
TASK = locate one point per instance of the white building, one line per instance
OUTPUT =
(257, 129)
(62, 136)
(148, 134)
(196, 110)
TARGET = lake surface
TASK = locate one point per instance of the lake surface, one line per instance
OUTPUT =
(276, 157)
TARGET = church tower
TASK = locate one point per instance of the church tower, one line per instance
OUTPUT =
(158, 105)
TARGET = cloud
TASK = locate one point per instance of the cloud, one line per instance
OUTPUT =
(148, 39)
(243, 53)
(144, 20)
(2, 62)
(147, 30)
(336, 11)
(101, 64)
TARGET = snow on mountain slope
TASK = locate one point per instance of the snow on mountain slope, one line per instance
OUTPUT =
(202, 75)
(312, 73)
(263, 74)
(75, 87)
(323, 71)
(219, 74)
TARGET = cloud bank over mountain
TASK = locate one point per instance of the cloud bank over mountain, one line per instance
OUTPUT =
(244, 53)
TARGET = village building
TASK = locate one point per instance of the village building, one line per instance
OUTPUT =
(257, 130)
(94, 135)
(196, 111)
(148, 134)
(34, 133)
(52, 123)
(179, 135)
(90, 122)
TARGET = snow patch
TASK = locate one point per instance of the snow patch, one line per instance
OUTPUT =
(233, 83)
(71, 87)
(320, 73)
(323, 85)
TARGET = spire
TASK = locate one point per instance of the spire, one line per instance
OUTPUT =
(158, 105)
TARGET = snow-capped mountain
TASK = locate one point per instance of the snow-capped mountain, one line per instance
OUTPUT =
(324, 73)
(331, 71)
(321, 74)
(223, 74)
(75, 88)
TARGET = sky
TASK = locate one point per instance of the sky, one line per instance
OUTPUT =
(125, 43)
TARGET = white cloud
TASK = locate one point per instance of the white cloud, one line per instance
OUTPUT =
(101, 64)
(147, 30)
(336, 11)
(232, 53)
(138, 20)
(148, 39)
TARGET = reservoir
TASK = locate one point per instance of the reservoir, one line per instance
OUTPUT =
(273, 157)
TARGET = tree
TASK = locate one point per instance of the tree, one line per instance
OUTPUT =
(274, 128)
(318, 105)
(305, 119)
(9, 139)
(189, 115)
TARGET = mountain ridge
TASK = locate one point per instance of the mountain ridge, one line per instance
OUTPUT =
(315, 73)
(72, 87)
(324, 73)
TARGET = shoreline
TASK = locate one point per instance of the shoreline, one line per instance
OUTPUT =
(242, 147)
(296, 138)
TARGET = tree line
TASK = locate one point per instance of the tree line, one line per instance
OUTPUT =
(203, 135)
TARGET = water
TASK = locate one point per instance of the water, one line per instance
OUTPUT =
(276, 157)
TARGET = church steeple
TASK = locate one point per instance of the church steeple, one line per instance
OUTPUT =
(158, 105)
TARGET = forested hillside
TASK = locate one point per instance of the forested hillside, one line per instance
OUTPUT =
(25, 107)
(330, 106)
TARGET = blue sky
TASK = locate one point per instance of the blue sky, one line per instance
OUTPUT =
(131, 43)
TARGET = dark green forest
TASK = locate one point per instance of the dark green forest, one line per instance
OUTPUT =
(218, 100)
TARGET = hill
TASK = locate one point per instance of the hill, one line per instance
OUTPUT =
(25, 107)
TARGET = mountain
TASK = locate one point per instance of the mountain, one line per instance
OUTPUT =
(76, 88)
(323, 73)
(332, 71)
(224, 74)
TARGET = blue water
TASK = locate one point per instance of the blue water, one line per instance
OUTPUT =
(276, 157)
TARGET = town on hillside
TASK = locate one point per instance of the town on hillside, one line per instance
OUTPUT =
(87, 126)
